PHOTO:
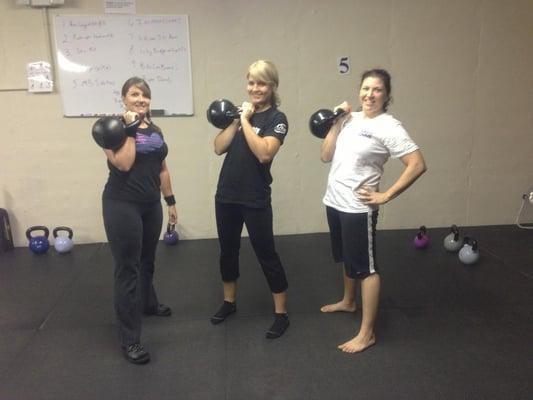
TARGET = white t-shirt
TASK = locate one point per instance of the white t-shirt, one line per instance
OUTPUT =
(363, 147)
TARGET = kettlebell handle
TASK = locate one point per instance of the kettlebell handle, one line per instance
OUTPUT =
(37, 228)
(421, 232)
(455, 232)
(63, 228)
(171, 227)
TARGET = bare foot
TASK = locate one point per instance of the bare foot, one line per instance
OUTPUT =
(340, 306)
(357, 344)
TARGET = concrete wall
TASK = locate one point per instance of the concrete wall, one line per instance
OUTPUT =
(462, 85)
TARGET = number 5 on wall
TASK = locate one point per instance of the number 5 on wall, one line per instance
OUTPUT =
(343, 64)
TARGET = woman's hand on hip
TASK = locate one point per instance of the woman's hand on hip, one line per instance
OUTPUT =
(370, 197)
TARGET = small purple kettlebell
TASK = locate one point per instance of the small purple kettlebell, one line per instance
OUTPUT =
(421, 240)
(171, 237)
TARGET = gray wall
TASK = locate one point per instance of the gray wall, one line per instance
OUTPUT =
(462, 85)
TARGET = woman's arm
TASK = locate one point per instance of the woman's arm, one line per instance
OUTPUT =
(124, 157)
(264, 148)
(166, 190)
(414, 167)
(225, 137)
(329, 144)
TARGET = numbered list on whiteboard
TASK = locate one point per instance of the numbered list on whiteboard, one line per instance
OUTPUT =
(97, 54)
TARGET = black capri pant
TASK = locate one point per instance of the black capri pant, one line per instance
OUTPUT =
(133, 231)
(353, 241)
(230, 220)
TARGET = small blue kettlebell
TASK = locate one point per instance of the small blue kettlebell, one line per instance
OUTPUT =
(38, 244)
(171, 237)
(62, 243)
(469, 253)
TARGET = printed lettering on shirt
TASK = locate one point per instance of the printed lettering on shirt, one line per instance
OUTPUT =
(256, 129)
(365, 133)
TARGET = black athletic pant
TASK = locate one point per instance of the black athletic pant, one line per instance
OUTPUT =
(133, 230)
(230, 220)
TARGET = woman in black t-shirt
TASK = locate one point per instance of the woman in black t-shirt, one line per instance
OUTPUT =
(243, 193)
(133, 217)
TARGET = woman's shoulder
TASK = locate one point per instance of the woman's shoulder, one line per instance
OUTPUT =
(389, 118)
(389, 126)
(276, 115)
(277, 112)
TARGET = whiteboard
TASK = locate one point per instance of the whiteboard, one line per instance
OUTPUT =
(96, 54)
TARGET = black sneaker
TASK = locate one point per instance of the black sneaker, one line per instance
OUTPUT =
(136, 354)
(225, 310)
(278, 328)
(162, 310)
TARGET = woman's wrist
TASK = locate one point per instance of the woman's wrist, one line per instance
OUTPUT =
(388, 196)
(170, 200)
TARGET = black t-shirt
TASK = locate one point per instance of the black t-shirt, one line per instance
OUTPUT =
(141, 183)
(243, 179)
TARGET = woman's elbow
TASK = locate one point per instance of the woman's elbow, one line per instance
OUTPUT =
(124, 167)
(422, 168)
(325, 158)
(265, 159)
(219, 150)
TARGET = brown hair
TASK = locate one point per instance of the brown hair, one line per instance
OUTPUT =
(146, 91)
(385, 78)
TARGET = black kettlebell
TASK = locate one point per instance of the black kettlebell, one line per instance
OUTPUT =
(321, 121)
(38, 244)
(111, 132)
(221, 113)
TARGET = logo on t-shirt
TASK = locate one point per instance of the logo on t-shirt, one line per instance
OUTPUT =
(148, 143)
(366, 134)
(281, 129)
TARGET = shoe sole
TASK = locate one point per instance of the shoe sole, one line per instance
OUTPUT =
(155, 314)
(139, 361)
(275, 335)
(218, 320)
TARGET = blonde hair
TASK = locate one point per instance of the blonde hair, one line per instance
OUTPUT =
(266, 71)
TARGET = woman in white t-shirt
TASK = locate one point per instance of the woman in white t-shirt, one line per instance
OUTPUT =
(358, 145)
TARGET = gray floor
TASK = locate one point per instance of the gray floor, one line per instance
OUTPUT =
(445, 330)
